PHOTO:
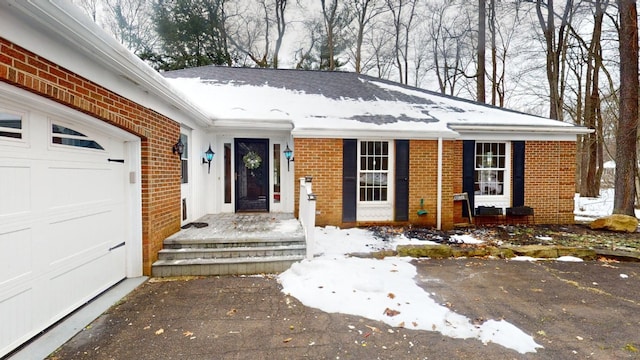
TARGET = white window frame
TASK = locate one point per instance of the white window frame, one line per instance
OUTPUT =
(377, 210)
(498, 200)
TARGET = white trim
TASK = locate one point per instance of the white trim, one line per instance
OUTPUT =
(380, 134)
(489, 132)
(253, 124)
(504, 200)
(134, 215)
(377, 210)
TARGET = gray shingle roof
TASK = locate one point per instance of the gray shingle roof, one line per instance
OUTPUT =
(353, 97)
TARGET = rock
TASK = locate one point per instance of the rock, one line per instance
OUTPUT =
(616, 222)
(535, 251)
(431, 251)
(584, 254)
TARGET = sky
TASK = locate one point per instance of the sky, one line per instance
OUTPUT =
(335, 282)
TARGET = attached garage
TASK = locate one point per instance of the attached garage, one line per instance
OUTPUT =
(69, 192)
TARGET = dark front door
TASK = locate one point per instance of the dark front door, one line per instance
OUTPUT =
(252, 174)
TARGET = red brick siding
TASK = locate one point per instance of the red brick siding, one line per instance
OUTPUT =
(160, 177)
(549, 184)
(322, 159)
(549, 180)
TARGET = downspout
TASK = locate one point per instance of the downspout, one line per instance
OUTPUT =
(439, 186)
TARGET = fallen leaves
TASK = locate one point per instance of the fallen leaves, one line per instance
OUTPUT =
(391, 312)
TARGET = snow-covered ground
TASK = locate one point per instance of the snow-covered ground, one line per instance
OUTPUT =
(385, 290)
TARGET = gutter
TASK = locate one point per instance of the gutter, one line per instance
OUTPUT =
(492, 128)
(69, 23)
(373, 134)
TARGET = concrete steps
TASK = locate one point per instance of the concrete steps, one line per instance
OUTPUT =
(189, 257)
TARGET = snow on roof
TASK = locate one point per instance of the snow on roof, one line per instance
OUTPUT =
(320, 102)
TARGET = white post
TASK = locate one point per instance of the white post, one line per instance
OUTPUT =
(307, 213)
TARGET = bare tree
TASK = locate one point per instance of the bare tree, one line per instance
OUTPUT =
(627, 134)
(130, 21)
(281, 25)
(482, 44)
(449, 29)
(555, 42)
(590, 184)
(364, 11)
(336, 18)
(90, 7)
(403, 12)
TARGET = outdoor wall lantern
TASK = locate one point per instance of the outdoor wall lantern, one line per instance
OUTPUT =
(178, 148)
(288, 154)
(208, 157)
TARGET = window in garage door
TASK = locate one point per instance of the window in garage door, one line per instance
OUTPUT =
(65, 136)
(10, 125)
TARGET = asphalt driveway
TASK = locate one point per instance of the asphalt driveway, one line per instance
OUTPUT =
(575, 310)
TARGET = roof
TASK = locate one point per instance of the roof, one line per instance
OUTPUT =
(340, 104)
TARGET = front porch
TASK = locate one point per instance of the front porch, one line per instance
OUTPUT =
(233, 244)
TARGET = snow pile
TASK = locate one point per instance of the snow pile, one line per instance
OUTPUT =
(384, 290)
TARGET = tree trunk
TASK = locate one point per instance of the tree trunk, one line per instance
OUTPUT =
(589, 186)
(555, 46)
(482, 42)
(281, 6)
(626, 136)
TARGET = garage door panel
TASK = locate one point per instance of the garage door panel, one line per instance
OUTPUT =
(15, 189)
(69, 186)
(15, 244)
(77, 235)
(17, 318)
(89, 278)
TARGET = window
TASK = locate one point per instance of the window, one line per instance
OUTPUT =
(184, 160)
(491, 162)
(374, 170)
(276, 173)
(10, 125)
(227, 173)
(63, 135)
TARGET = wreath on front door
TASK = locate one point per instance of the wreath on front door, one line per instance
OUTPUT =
(252, 160)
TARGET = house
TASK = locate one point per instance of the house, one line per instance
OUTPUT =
(89, 185)
(378, 152)
(101, 157)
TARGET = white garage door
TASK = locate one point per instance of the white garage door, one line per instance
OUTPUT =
(62, 218)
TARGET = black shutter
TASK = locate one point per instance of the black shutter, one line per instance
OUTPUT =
(468, 172)
(349, 177)
(518, 173)
(402, 181)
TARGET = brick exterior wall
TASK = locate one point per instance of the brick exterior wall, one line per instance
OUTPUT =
(550, 180)
(160, 178)
(322, 159)
(549, 184)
